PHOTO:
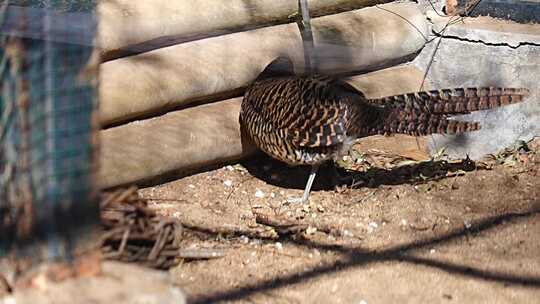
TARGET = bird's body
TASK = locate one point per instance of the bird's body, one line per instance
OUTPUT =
(307, 120)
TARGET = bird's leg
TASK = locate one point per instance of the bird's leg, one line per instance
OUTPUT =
(309, 183)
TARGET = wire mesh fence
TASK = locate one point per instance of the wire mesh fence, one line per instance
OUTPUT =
(48, 126)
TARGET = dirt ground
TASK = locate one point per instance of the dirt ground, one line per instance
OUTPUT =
(402, 231)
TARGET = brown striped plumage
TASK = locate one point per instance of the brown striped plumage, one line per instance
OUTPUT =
(311, 119)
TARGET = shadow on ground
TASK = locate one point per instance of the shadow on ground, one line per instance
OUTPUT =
(280, 174)
(358, 257)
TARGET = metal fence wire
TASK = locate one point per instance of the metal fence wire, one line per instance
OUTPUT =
(48, 125)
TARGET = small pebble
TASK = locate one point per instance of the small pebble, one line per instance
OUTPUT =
(255, 242)
(230, 168)
(362, 302)
(311, 230)
(191, 186)
(244, 192)
(227, 183)
(259, 193)
(467, 224)
(279, 246)
(371, 227)
(432, 251)
(347, 233)
(9, 300)
(244, 239)
(272, 195)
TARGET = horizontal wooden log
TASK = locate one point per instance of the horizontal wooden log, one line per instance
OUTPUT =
(173, 143)
(188, 140)
(128, 26)
(180, 75)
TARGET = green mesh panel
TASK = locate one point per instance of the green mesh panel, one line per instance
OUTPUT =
(47, 105)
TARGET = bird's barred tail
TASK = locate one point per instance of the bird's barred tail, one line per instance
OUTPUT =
(425, 113)
(455, 101)
(395, 120)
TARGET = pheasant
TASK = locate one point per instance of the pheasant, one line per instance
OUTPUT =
(308, 120)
